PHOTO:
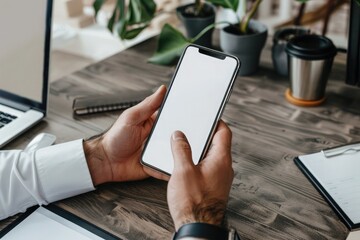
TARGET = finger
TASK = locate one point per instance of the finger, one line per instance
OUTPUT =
(223, 135)
(149, 124)
(181, 151)
(153, 117)
(145, 109)
(221, 143)
(156, 174)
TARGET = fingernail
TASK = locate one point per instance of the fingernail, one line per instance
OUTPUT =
(178, 135)
(159, 88)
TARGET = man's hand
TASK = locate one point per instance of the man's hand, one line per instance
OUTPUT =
(200, 193)
(115, 155)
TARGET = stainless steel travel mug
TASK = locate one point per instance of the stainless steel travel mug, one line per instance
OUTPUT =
(310, 60)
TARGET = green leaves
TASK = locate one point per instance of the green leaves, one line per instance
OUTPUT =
(244, 24)
(232, 4)
(97, 5)
(170, 46)
(129, 21)
(140, 11)
(117, 16)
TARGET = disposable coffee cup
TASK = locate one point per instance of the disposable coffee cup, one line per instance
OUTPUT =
(310, 59)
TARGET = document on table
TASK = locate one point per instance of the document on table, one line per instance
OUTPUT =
(45, 224)
(353, 236)
(337, 176)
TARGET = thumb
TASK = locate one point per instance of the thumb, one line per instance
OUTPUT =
(181, 151)
(146, 108)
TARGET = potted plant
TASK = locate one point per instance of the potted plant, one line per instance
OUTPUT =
(128, 20)
(195, 17)
(244, 39)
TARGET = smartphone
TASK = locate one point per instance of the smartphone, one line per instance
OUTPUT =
(193, 104)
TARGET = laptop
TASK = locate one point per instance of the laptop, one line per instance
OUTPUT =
(25, 28)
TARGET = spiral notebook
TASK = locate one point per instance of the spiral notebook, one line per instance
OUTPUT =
(335, 173)
(108, 102)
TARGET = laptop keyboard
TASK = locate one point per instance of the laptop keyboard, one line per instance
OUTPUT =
(6, 118)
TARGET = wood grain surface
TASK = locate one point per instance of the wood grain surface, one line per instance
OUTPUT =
(270, 198)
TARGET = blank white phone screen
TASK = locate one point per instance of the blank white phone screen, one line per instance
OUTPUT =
(192, 106)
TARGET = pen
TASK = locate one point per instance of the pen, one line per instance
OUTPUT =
(346, 149)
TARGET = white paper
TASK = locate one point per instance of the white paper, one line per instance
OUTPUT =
(353, 235)
(43, 224)
(340, 177)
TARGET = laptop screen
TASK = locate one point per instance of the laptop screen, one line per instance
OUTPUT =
(24, 50)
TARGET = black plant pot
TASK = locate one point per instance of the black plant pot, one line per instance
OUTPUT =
(280, 39)
(246, 47)
(195, 24)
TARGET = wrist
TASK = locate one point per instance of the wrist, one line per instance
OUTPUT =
(205, 231)
(96, 160)
(211, 211)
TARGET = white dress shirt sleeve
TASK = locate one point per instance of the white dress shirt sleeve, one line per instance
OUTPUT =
(46, 175)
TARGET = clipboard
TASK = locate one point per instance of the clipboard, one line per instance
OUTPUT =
(320, 169)
(67, 219)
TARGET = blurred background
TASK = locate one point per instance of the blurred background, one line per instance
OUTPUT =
(80, 40)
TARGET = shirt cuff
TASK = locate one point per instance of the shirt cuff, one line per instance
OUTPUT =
(63, 171)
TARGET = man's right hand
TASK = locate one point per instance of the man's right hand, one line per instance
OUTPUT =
(199, 193)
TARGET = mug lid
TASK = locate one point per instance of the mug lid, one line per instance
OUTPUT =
(283, 35)
(311, 47)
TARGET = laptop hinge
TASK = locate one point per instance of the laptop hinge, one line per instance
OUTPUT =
(18, 106)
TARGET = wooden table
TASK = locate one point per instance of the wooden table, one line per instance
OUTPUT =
(270, 198)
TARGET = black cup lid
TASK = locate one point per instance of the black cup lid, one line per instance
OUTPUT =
(311, 47)
(285, 34)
